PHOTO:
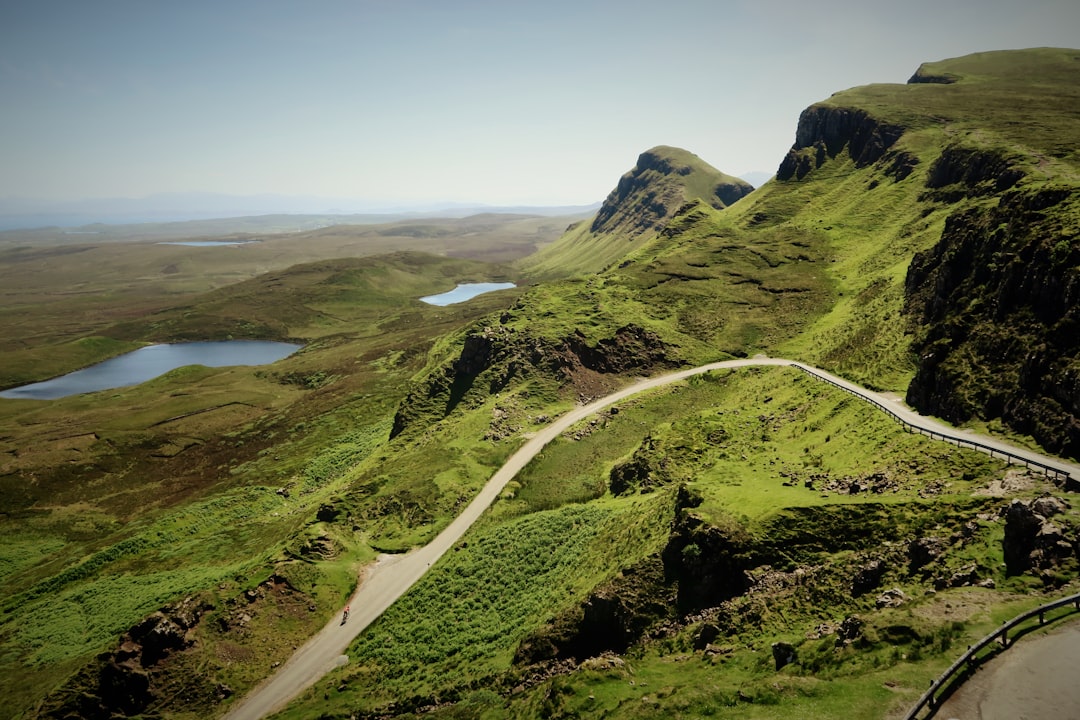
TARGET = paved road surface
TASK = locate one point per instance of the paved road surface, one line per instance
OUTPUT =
(1035, 679)
(390, 577)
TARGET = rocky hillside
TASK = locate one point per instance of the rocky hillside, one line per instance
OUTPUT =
(642, 204)
(953, 219)
(995, 303)
(773, 534)
(997, 306)
(662, 181)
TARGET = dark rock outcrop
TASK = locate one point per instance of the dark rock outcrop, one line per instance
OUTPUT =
(708, 563)
(1032, 540)
(923, 551)
(613, 616)
(850, 630)
(961, 171)
(868, 577)
(996, 309)
(783, 654)
(643, 471)
(824, 131)
(121, 683)
(705, 636)
(925, 75)
(701, 566)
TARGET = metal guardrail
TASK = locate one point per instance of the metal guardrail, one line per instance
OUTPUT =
(1001, 636)
(1048, 470)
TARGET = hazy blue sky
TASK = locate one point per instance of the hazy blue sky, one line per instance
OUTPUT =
(491, 101)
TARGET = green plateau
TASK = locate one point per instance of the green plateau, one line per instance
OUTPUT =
(746, 543)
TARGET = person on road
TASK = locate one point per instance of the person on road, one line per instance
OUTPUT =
(345, 616)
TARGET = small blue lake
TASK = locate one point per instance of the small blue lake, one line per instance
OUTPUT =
(149, 362)
(465, 292)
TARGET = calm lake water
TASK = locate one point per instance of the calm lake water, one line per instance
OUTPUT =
(149, 362)
(465, 292)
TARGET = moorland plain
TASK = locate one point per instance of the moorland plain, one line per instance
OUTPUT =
(56, 296)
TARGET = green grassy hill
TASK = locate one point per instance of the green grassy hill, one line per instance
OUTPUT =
(648, 561)
(641, 205)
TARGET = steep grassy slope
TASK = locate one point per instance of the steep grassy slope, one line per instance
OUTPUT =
(752, 505)
(641, 205)
(879, 175)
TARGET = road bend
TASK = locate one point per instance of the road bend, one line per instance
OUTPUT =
(391, 576)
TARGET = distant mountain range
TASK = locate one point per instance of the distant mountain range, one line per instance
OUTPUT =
(24, 213)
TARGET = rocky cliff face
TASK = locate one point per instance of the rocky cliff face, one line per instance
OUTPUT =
(967, 172)
(661, 182)
(993, 305)
(996, 305)
(158, 662)
(824, 131)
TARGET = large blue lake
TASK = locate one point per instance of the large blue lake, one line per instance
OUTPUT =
(151, 361)
(465, 292)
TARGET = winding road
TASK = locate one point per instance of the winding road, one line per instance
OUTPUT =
(1033, 680)
(392, 576)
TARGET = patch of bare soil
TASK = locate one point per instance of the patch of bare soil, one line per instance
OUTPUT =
(962, 604)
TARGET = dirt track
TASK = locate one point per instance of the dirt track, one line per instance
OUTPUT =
(390, 577)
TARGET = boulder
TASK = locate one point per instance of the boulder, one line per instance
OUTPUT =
(849, 631)
(1031, 540)
(124, 688)
(1048, 506)
(923, 551)
(963, 577)
(706, 635)
(159, 635)
(891, 598)
(868, 577)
